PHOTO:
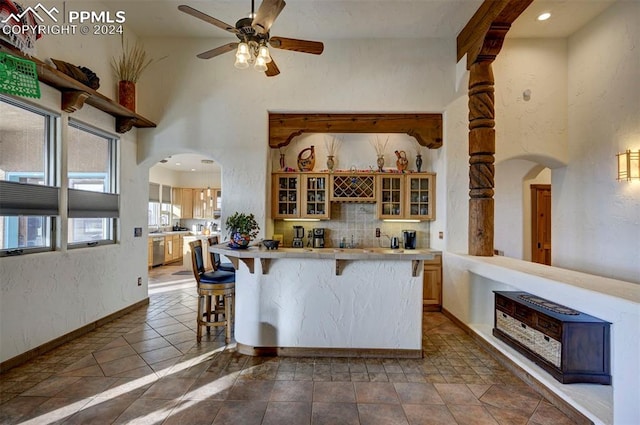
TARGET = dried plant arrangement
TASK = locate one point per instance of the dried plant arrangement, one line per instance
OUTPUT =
(131, 62)
(380, 146)
(332, 145)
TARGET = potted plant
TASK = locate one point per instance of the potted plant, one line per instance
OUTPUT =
(241, 228)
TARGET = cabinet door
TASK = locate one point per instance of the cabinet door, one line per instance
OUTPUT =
(176, 204)
(286, 195)
(421, 196)
(432, 285)
(187, 203)
(177, 252)
(168, 249)
(315, 196)
(198, 203)
(150, 255)
(391, 197)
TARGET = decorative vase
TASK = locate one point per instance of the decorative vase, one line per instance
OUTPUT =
(239, 240)
(282, 162)
(127, 94)
(380, 162)
(330, 163)
(418, 162)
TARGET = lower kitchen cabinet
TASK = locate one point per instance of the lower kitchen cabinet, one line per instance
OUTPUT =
(432, 284)
(150, 255)
(172, 248)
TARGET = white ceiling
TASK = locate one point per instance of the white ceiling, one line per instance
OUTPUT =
(189, 162)
(345, 19)
(351, 19)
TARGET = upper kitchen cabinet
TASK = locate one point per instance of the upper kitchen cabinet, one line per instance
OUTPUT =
(182, 203)
(391, 196)
(348, 187)
(301, 195)
(315, 196)
(206, 203)
(406, 196)
(421, 196)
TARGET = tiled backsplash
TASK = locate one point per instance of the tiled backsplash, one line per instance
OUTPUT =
(359, 221)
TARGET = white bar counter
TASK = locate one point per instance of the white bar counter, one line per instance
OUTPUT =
(329, 302)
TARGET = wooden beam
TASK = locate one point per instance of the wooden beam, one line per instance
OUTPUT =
(426, 128)
(495, 15)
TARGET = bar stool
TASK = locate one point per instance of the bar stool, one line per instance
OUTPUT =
(214, 284)
(215, 258)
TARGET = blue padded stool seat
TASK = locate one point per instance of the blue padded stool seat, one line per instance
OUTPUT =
(226, 267)
(218, 276)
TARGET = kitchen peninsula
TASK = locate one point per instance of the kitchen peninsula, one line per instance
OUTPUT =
(328, 301)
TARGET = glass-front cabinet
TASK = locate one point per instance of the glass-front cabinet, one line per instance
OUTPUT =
(286, 195)
(391, 196)
(300, 195)
(315, 199)
(421, 196)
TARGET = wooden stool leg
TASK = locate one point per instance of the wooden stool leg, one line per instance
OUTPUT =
(208, 313)
(227, 318)
(199, 319)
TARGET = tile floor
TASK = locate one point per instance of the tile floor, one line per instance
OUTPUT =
(146, 368)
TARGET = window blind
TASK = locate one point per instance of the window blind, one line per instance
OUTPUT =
(154, 192)
(87, 204)
(28, 199)
(166, 194)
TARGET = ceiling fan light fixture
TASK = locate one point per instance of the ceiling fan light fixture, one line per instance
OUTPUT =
(241, 62)
(263, 52)
(243, 51)
(260, 65)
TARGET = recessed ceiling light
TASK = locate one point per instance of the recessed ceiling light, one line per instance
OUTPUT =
(178, 163)
(544, 16)
(193, 169)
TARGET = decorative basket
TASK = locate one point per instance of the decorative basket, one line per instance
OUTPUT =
(18, 76)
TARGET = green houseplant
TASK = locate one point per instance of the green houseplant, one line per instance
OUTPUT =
(241, 228)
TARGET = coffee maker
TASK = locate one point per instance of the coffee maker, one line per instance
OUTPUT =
(409, 239)
(298, 234)
(318, 237)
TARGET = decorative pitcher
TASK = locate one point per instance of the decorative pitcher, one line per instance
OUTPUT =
(306, 163)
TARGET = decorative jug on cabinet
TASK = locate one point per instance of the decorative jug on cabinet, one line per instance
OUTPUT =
(402, 160)
(306, 163)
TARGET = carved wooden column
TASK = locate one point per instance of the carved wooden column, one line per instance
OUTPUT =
(481, 40)
(482, 148)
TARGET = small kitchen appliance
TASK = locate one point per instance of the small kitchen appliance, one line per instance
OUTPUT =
(395, 244)
(409, 239)
(298, 235)
(318, 237)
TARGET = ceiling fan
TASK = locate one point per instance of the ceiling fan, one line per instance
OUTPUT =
(253, 33)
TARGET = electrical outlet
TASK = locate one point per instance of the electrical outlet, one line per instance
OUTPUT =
(440, 235)
(139, 281)
(377, 232)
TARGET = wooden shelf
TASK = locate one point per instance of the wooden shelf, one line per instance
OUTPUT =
(75, 95)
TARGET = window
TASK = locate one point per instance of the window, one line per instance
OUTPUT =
(92, 183)
(29, 201)
(159, 205)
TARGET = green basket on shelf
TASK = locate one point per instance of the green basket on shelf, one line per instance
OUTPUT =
(18, 76)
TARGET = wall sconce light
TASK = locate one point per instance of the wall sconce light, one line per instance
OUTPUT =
(629, 165)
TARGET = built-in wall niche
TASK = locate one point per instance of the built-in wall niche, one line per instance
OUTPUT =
(355, 151)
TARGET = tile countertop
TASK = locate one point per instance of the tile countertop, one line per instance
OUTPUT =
(259, 251)
(181, 232)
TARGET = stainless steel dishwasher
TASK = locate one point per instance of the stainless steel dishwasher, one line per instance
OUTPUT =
(158, 250)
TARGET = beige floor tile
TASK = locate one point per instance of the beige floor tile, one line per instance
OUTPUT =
(416, 393)
(287, 412)
(428, 414)
(292, 391)
(334, 392)
(381, 414)
(456, 394)
(375, 392)
(245, 412)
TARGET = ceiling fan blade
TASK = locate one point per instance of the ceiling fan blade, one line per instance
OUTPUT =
(210, 19)
(304, 46)
(218, 51)
(272, 69)
(266, 14)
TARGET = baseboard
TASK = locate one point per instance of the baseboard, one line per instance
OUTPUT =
(329, 352)
(517, 370)
(54, 343)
